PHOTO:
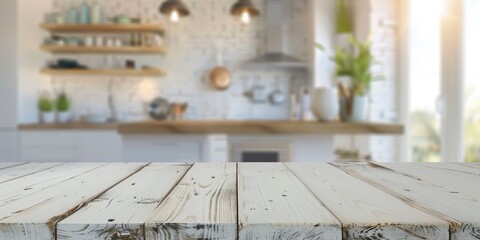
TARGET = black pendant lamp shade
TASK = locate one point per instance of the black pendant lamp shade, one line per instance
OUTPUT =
(244, 5)
(169, 6)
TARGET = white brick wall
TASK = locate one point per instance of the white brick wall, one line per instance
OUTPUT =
(383, 98)
(191, 53)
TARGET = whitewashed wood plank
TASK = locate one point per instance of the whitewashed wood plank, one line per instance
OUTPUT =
(365, 211)
(4, 165)
(274, 204)
(470, 165)
(461, 209)
(34, 217)
(122, 211)
(453, 167)
(202, 206)
(28, 185)
(19, 171)
(451, 178)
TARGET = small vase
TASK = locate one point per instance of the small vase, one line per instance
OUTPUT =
(64, 117)
(325, 104)
(47, 117)
(359, 110)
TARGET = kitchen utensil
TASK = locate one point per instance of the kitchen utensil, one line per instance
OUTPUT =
(220, 77)
(277, 97)
(159, 109)
(257, 94)
(178, 111)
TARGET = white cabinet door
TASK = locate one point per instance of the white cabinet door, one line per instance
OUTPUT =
(8, 146)
(50, 146)
(75, 146)
(164, 148)
(101, 146)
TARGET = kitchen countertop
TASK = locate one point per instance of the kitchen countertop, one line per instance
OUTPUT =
(258, 127)
(229, 127)
(240, 201)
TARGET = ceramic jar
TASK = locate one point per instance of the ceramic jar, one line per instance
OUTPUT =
(325, 104)
(47, 117)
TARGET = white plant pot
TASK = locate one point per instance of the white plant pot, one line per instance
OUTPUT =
(64, 117)
(47, 117)
(325, 104)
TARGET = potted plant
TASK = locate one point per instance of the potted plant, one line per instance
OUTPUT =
(356, 68)
(63, 105)
(46, 106)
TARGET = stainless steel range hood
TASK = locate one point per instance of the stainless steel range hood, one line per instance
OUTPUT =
(277, 38)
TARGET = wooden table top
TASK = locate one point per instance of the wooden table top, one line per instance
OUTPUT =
(239, 201)
(258, 127)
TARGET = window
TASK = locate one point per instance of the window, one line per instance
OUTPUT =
(425, 80)
(472, 81)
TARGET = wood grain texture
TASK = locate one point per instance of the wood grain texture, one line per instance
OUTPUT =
(69, 126)
(274, 204)
(105, 72)
(15, 172)
(457, 204)
(93, 28)
(111, 50)
(4, 165)
(34, 216)
(39, 181)
(202, 206)
(258, 127)
(365, 211)
(122, 211)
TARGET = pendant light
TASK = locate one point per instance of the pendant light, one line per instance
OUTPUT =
(245, 10)
(175, 9)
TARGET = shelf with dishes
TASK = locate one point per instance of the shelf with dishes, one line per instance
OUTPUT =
(147, 72)
(104, 28)
(103, 49)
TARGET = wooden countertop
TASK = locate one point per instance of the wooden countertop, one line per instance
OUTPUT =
(228, 127)
(239, 201)
(258, 127)
(69, 126)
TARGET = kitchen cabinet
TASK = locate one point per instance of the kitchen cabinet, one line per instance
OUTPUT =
(71, 146)
(8, 145)
(170, 148)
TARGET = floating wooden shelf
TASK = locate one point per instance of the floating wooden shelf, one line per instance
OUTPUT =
(105, 72)
(259, 127)
(69, 126)
(101, 28)
(127, 50)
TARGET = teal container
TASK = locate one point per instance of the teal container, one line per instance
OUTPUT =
(84, 14)
(72, 17)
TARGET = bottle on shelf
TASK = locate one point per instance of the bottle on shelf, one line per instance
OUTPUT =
(96, 13)
(84, 13)
(72, 17)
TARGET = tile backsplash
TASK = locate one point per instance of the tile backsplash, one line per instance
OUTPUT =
(192, 46)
